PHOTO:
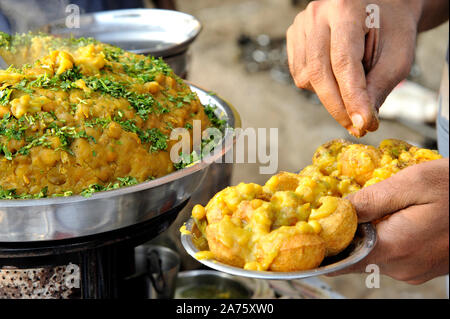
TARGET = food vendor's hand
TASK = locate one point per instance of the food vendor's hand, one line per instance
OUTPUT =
(413, 239)
(352, 68)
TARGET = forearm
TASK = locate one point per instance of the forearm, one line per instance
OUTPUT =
(433, 13)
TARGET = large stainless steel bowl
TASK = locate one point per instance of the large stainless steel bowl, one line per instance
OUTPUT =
(77, 216)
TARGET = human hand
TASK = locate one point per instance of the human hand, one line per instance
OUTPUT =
(413, 241)
(353, 68)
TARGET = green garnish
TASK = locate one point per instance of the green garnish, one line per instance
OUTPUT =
(39, 127)
(215, 121)
(4, 149)
(5, 94)
(121, 182)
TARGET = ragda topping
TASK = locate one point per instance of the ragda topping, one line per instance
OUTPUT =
(79, 116)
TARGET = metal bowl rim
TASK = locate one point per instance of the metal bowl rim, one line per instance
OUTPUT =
(369, 241)
(144, 185)
(209, 272)
(186, 274)
(171, 49)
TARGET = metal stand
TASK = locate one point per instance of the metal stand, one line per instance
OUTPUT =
(87, 267)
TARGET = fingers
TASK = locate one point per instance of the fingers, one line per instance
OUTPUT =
(326, 53)
(350, 67)
(295, 46)
(290, 38)
(381, 199)
(393, 246)
(371, 52)
(319, 71)
(308, 47)
(347, 47)
(383, 254)
(377, 256)
(394, 55)
(392, 66)
(409, 247)
(418, 216)
(397, 192)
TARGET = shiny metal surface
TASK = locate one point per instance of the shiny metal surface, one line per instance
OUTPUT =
(360, 247)
(160, 33)
(76, 216)
(3, 64)
(197, 278)
(163, 265)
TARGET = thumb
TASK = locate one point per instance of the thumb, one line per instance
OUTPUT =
(384, 198)
(390, 66)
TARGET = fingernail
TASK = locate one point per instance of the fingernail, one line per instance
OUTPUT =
(358, 121)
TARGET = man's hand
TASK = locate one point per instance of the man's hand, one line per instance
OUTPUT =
(353, 68)
(413, 242)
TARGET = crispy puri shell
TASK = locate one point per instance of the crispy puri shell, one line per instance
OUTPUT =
(388, 144)
(325, 156)
(215, 213)
(338, 229)
(333, 147)
(221, 252)
(283, 181)
(359, 161)
(299, 252)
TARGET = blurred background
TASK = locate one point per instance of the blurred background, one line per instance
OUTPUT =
(240, 55)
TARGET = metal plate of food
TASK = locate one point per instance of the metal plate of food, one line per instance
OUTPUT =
(362, 244)
(55, 218)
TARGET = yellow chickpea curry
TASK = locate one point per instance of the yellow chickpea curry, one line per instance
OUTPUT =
(79, 116)
(295, 220)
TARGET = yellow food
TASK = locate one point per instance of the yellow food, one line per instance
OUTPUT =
(295, 220)
(205, 254)
(184, 230)
(80, 116)
(338, 222)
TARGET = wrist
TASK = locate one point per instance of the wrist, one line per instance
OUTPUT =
(431, 13)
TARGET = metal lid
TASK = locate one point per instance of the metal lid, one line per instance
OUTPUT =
(143, 31)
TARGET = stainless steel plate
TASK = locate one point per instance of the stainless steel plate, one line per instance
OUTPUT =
(76, 216)
(360, 247)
